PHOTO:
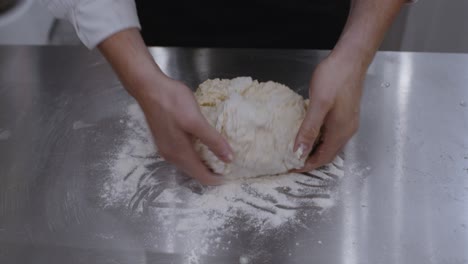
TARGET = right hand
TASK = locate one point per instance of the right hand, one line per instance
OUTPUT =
(175, 120)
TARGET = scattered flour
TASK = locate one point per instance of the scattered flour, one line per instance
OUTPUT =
(80, 124)
(145, 184)
(4, 134)
(244, 260)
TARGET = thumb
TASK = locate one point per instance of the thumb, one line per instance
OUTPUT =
(213, 140)
(310, 128)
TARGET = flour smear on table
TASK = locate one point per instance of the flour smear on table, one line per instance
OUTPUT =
(147, 187)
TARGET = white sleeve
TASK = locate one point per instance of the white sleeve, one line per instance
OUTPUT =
(96, 20)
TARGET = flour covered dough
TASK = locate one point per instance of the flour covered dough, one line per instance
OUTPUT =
(260, 121)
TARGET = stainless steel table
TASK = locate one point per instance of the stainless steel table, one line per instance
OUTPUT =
(404, 197)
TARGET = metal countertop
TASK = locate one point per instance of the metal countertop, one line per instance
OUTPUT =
(403, 199)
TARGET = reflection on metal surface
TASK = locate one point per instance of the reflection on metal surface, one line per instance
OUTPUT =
(162, 58)
(401, 126)
(349, 236)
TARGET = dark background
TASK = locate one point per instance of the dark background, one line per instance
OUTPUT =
(243, 24)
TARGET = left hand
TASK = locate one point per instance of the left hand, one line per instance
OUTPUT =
(333, 113)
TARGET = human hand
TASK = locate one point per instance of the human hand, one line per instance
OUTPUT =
(170, 108)
(333, 114)
(336, 85)
(175, 121)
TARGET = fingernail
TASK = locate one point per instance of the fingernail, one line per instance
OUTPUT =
(302, 151)
(228, 157)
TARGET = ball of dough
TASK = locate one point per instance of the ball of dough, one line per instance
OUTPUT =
(260, 121)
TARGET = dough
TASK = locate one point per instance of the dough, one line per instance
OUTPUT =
(260, 121)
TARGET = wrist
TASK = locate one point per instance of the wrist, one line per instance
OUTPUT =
(133, 63)
(345, 62)
(354, 53)
(147, 84)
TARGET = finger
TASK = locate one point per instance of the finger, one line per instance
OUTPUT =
(325, 153)
(181, 153)
(194, 167)
(310, 128)
(191, 164)
(213, 140)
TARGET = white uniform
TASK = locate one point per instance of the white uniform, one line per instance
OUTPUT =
(96, 20)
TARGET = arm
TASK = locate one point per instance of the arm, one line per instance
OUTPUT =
(336, 84)
(170, 108)
(365, 29)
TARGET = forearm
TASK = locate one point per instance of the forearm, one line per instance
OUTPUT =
(131, 60)
(365, 29)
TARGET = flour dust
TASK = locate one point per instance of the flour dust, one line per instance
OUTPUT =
(205, 218)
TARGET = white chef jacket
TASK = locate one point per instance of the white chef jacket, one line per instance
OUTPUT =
(96, 20)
